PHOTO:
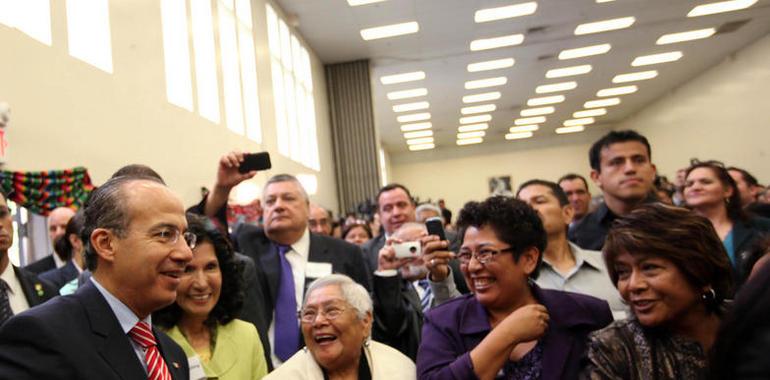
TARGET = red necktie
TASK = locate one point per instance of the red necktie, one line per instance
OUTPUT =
(156, 366)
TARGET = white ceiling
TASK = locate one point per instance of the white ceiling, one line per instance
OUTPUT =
(441, 50)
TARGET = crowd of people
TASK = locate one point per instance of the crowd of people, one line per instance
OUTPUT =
(656, 280)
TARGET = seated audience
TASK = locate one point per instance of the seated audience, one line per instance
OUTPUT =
(671, 268)
(203, 318)
(664, 190)
(757, 256)
(356, 233)
(711, 192)
(509, 328)
(336, 319)
(68, 245)
(395, 207)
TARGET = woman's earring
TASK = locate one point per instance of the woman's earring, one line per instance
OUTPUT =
(709, 296)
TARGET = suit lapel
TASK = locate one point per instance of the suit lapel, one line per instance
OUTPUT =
(32, 287)
(271, 265)
(174, 364)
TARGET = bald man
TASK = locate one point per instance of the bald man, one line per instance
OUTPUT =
(57, 224)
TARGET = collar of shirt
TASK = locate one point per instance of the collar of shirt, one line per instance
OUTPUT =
(9, 277)
(582, 258)
(125, 316)
(16, 296)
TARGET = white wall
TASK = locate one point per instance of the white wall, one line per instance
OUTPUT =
(66, 113)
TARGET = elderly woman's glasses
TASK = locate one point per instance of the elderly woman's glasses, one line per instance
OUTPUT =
(330, 313)
(483, 256)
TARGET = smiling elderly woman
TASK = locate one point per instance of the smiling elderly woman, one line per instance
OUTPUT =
(336, 320)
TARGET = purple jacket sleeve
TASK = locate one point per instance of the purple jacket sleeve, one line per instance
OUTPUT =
(441, 355)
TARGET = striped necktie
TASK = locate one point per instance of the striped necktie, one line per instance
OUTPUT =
(5, 302)
(427, 296)
(156, 366)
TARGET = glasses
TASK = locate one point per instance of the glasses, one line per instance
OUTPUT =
(483, 256)
(330, 313)
(170, 236)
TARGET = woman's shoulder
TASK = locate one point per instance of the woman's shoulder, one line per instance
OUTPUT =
(390, 363)
(238, 330)
(618, 332)
(575, 308)
(451, 311)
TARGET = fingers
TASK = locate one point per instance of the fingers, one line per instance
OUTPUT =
(232, 159)
(431, 244)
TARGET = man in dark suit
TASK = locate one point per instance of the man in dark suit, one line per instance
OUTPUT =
(395, 207)
(288, 255)
(137, 249)
(57, 224)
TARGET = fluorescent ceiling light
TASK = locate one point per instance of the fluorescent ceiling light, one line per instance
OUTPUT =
(615, 91)
(508, 11)
(355, 3)
(590, 113)
(411, 106)
(604, 26)
(657, 58)
(405, 94)
(685, 36)
(390, 30)
(530, 120)
(568, 71)
(524, 128)
(421, 140)
(478, 109)
(518, 135)
(633, 77)
(719, 7)
(537, 111)
(563, 130)
(473, 127)
(401, 78)
(491, 65)
(485, 97)
(476, 140)
(413, 117)
(545, 100)
(585, 51)
(601, 103)
(469, 135)
(496, 42)
(421, 147)
(488, 82)
(475, 119)
(416, 127)
(604, 1)
(583, 121)
(556, 87)
(416, 134)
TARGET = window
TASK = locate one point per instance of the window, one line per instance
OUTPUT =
(88, 32)
(176, 47)
(32, 17)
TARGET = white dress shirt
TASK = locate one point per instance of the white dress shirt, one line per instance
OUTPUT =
(16, 297)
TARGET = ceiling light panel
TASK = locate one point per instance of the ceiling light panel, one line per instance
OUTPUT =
(605, 26)
(390, 31)
(478, 109)
(655, 59)
(586, 51)
(355, 3)
(518, 135)
(401, 78)
(411, 107)
(633, 77)
(568, 71)
(563, 130)
(615, 91)
(590, 113)
(508, 11)
(555, 87)
(685, 36)
(470, 135)
(413, 117)
(601, 103)
(485, 97)
(476, 140)
(416, 126)
(545, 100)
(406, 94)
(575, 122)
(417, 134)
(530, 120)
(720, 7)
(421, 147)
(524, 128)
(483, 83)
(496, 42)
(421, 140)
(537, 111)
(473, 127)
(475, 119)
(491, 65)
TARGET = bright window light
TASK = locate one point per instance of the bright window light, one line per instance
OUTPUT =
(355, 3)
(475, 119)
(473, 127)
(383, 166)
(633, 77)
(231, 78)
(483, 83)
(416, 134)
(568, 71)
(470, 135)
(524, 128)
(530, 120)
(88, 32)
(478, 109)
(309, 183)
(411, 107)
(204, 53)
(485, 97)
(555, 87)
(31, 17)
(477, 140)
(388, 31)
(655, 59)
(508, 11)
(413, 117)
(416, 126)
(176, 53)
(583, 121)
(720, 7)
(491, 65)
(601, 103)
(421, 147)
(585, 51)
(590, 113)
(518, 135)
(496, 42)
(406, 94)
(534, 102)
(605, 26)
(401, 78)
(575, 129)
(685, 36)
(421, 140)
(248, 63)
(537, 111)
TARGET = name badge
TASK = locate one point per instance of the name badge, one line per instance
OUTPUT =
(196, 368)
(317, 270)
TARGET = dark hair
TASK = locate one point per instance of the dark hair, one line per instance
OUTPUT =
(734, 208)
(231, 297)
(750, 179)
(138, 171)
(512, 220)
(614, 137)
(759, 248)
(572, 177)
(62, 245)
(678, 235)
(351, 226)
(556, 190)
(393, 186)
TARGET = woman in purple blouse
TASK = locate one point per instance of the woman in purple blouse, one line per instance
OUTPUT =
(508, 328)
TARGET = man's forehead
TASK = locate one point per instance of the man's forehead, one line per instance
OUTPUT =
(284, 187)
(153, 199)
(396, 195)
(575, 182)
(625, 148)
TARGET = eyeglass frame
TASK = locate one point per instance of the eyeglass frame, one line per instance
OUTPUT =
(321, 312)
(191, 239)
(482, 260)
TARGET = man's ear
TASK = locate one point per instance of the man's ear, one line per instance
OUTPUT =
(103, 242)
(567, 213)
(595, 178)
(528, 260)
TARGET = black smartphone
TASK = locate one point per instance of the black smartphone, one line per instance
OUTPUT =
(255, 161)
(436, 227)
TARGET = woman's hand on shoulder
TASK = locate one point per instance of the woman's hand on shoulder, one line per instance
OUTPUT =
(527, 323)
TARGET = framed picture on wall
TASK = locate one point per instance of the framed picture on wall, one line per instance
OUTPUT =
(500, 185)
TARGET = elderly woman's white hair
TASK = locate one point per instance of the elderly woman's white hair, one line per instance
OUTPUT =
(354, 294)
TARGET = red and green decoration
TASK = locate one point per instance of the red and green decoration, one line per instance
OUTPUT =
(44, 191)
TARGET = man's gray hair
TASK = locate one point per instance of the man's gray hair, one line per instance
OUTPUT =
(427, 207)
(286, 178)
(354, 294)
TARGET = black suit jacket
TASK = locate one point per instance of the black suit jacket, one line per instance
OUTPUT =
(45, 264)
(745, 234)
(77, 337)
(36, 291)
(60, 276)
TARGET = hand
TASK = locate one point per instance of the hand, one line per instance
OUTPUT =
(228, 175)
(386, 258)
(436, 257)
(526, 324)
